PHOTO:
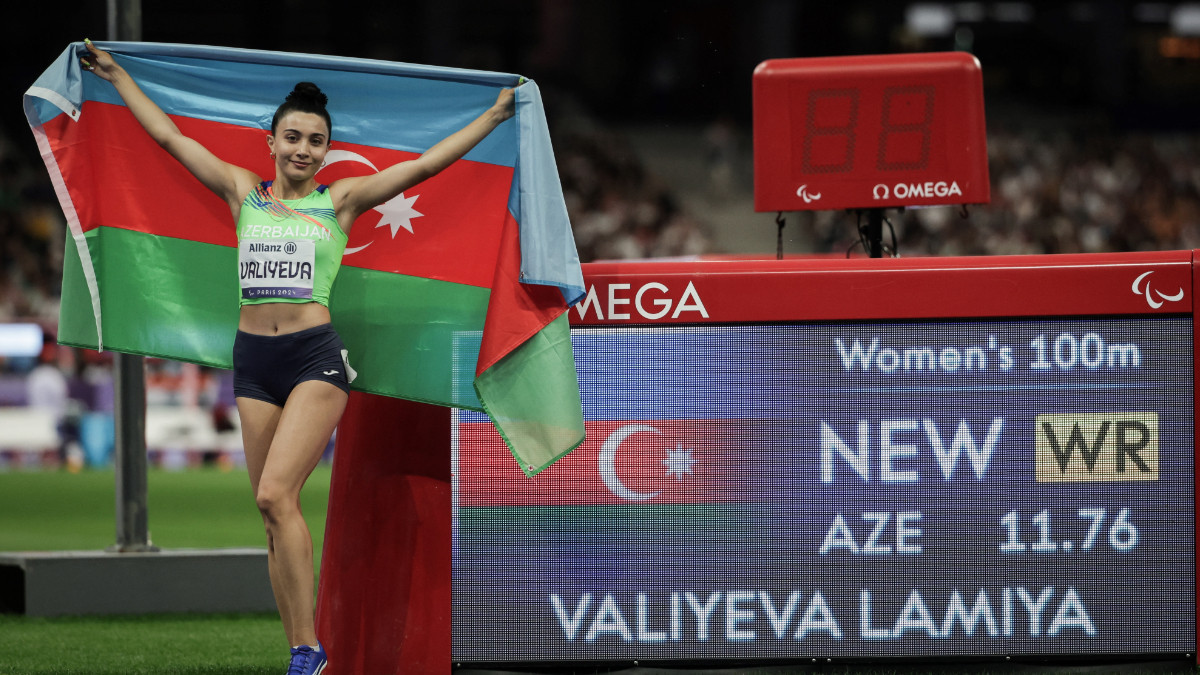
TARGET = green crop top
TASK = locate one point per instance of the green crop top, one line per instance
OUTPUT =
(288, 250)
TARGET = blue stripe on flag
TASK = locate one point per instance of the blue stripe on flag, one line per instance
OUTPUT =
(377, 103)
(548, 254)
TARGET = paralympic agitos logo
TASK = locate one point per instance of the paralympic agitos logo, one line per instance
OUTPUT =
(1154, 297)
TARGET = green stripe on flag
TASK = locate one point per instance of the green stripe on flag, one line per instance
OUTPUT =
(532, 396)
(403, 333)
(151, 304)
(406, 334)
(76, 325)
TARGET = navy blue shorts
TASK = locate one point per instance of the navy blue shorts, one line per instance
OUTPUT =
(268, 367)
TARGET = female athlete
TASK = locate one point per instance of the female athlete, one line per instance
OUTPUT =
(290, 367)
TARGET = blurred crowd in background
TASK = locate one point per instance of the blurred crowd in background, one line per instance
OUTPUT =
(1058, 191)
(1129, 182)
(1052, 192)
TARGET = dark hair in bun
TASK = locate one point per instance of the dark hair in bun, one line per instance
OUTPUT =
(306, 97)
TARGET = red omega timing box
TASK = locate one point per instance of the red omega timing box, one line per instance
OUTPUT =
(859, 132)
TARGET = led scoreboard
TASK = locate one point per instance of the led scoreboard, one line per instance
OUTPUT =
(859, 132)
(787, 460)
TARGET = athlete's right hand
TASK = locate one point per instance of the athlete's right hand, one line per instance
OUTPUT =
(99, 62)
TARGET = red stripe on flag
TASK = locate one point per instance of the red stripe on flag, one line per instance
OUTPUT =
(516, 311)
(118, 177)
(456, 237)
(627, 462)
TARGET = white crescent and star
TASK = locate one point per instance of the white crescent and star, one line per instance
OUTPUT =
(396, 213)
(608, 469)
(678, 462)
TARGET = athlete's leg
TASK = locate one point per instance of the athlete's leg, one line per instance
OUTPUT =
(258, 421)
(301, 433)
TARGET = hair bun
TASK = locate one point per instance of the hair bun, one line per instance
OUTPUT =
(305, 97)
(307, 92)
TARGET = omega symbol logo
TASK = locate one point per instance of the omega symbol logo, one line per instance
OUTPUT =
(289, 247)
(803, 192)
(880, 191)
(1155, 298)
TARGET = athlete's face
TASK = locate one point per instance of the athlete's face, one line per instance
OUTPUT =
(299, 143)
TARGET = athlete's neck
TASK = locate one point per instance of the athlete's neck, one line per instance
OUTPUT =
(283, 188)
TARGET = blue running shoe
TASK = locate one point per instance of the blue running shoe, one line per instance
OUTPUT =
(307, 661)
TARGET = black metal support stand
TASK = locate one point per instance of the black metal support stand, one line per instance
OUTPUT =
(873, 235)
(133, 532)
(780, 221)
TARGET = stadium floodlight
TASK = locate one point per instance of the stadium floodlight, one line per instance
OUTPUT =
(1185, 19)
(929, 19)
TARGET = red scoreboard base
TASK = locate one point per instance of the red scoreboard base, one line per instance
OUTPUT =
(383, 604)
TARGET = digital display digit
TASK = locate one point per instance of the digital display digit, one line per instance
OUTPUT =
(869, 132)
(858, 489)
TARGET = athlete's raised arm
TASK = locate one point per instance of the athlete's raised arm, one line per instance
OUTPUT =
(228, 181)
(354, 196)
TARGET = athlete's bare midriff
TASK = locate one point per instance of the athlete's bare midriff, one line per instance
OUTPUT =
(280, 318)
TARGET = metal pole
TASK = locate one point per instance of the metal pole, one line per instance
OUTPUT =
(125, 20)
(875, 233)
(129, 381)
(133, 532)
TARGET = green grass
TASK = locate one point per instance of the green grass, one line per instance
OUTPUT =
(60, 511)
(199, 508)
(249, 644)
